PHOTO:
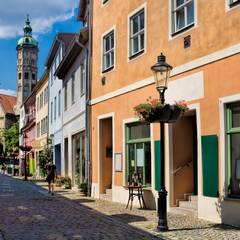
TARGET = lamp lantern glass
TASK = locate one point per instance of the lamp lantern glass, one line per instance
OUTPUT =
(161, 72)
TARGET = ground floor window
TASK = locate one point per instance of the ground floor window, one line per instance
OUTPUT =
(233, 149)
(78, 157)
(138, 152)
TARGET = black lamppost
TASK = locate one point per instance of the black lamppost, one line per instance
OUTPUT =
(25, 148)
(162, 72)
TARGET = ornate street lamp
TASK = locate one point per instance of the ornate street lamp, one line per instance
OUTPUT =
(26, 149)
(162, 73)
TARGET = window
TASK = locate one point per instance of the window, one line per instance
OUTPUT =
(182, 14)
(41, 100)
(38, 129)
(38, 103)
(104, 1)
(233, 3)
(42, 126)
(55, 107)
(46, 124)
(19, 75)
(33, 76)
(59, 103)
(82, 78)
(51, 112)
(45, 95)
(138, 154)
(108, 51)
(26, 75)
(65, 97)
(137, 33)
(51, 75)
(73, 88)
(233, 143)
(78, 156)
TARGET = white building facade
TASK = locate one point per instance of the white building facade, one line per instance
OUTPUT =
(72, 71)
(59, 47)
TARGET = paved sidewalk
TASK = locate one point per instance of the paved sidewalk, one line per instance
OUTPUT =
(181, 226)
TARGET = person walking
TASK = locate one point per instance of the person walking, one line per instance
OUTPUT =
(51, 175)
(3, 168)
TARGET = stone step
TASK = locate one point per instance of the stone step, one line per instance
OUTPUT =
(188, 204)
(193, 198)
(105, 197)
(183, 211)
(109, 191)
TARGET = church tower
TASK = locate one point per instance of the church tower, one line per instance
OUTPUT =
(27, 65)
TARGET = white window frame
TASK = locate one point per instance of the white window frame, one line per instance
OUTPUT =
(59, 103)
(51, 111)
(137, 34)
(130, 15)
(104, 36)
(174, 10)
(104, 2)
(73, 84)
(65, 97)
(82, 77)
(55, 108)
(232, 4)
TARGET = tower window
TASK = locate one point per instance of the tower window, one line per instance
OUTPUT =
(19, 75)
(26, 75)
(33, 76)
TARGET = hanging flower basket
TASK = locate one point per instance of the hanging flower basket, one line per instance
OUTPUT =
(25, 148)
(154, 111)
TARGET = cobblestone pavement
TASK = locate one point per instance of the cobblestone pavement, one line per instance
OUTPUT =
(27, 212)
(181, 226)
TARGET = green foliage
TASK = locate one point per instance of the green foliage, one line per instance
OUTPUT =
(44, 155)
(10, 138)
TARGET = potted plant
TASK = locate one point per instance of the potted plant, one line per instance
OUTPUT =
(84, 188)
(154, 111)
(67, 182)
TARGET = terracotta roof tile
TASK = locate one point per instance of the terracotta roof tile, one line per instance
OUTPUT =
(8, 102)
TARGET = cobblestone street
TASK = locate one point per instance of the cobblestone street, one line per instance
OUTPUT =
(28, 212)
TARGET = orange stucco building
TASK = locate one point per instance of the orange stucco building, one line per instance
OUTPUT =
(201, 41)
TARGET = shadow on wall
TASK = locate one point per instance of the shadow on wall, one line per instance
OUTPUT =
(228, 209)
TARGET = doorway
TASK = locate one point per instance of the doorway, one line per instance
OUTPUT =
(66, 156)
(58, 158)
(185, 166)
(106, 152)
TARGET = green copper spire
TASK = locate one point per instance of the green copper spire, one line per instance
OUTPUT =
(27, 39)
(27, 29)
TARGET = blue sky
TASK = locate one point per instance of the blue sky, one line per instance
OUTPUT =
(46, 18)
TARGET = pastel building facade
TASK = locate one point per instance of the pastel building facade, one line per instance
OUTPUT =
(55, 99)
(41, 133)
(202, 147)
(73, 72)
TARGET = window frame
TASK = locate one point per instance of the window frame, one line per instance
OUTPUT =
(111, 50)
(129, 141)
(65, 97)
(138, 34)
(233, 3)
(59, 103)
(73, 81)
(174, 9)
(82, 78)
(230, 130)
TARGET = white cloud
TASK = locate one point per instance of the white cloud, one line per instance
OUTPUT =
(43, 14)
(8, 92)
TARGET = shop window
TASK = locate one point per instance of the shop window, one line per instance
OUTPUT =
(138, 152)
(233, 143)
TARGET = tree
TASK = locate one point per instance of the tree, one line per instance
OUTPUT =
(10, 138)
(44, 155)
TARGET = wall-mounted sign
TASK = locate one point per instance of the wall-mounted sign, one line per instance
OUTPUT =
(118, 162)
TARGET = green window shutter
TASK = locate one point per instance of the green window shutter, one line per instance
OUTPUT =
(210, 165)
(157, 165)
